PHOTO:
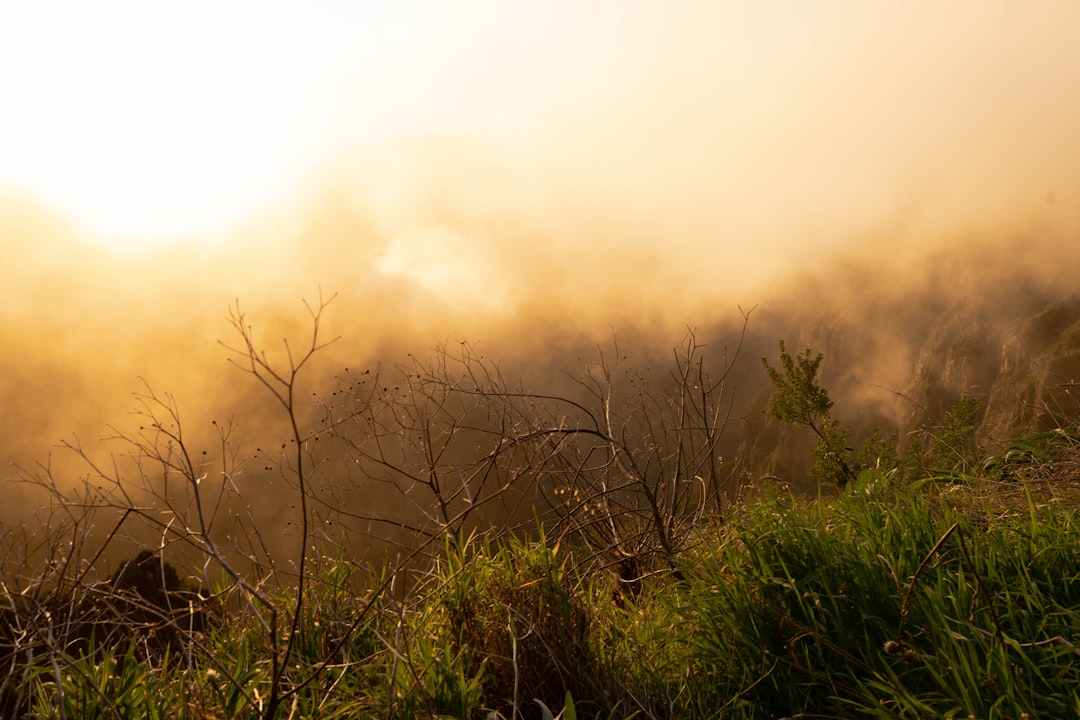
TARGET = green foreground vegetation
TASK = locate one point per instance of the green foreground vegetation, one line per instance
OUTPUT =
(930, 586)
(878, 603)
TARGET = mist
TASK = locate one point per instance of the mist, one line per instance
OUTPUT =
(626, 177)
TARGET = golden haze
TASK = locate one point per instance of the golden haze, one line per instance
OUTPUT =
(533, 180)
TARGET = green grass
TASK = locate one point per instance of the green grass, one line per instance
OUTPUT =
(891, 606)
(881, 602)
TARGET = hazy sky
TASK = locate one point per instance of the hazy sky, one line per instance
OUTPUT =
(443, 162)
(715, 124)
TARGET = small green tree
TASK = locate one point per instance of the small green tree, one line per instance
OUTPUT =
(800, 399)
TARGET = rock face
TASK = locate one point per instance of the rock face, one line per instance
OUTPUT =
(1023, 369)
(901, 363)
(1037, 384)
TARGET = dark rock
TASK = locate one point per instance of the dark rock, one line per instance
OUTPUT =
(145, 603)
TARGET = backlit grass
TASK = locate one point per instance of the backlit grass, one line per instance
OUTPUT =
(948, 600)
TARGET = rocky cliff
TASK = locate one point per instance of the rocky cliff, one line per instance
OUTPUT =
(900, 359)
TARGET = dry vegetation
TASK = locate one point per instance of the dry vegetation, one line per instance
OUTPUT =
(578, 554)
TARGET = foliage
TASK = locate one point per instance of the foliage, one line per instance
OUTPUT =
(947, 451)
(952, 446)
(878, 452)
(515, 610)
(1039, 456)
(890, 609)
(874, 603)
(939, 600)
(830, 452)
(799, 398)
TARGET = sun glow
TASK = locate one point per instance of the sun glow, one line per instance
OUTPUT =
(145, 122)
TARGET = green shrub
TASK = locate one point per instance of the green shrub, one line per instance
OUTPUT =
(515, 611)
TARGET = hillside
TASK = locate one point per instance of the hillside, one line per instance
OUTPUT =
(901, 361)
(447, 538)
